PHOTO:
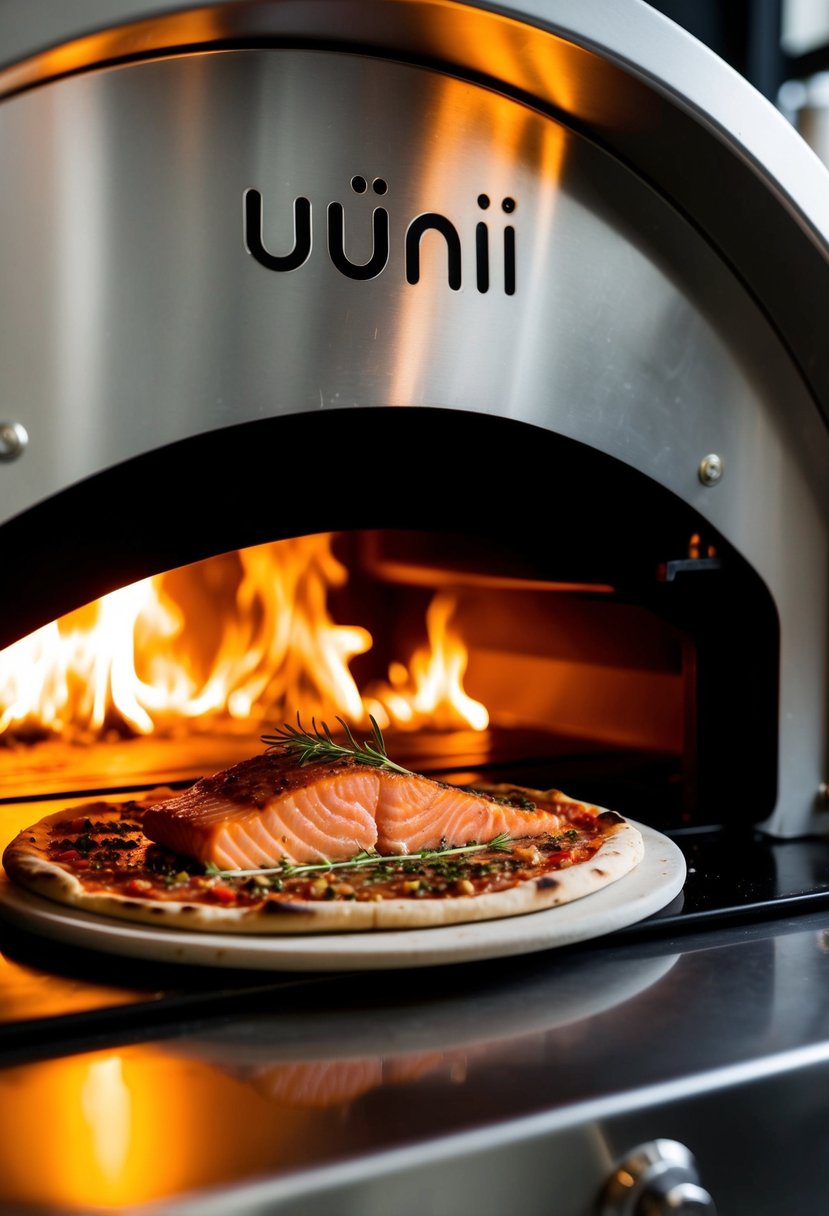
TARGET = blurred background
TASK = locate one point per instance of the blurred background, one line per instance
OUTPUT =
(781, 46)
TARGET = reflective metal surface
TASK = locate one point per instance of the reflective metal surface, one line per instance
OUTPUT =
(619, 71)
(151, 321)
(449, 1094)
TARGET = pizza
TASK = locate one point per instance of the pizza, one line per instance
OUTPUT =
(98, 858)
(324, 835)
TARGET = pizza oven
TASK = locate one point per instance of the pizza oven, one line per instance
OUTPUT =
(452, 364)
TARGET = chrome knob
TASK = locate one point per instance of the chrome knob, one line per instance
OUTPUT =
(656, 1179)
(683, 1199)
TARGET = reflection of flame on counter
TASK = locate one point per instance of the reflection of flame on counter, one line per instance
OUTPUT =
(117, 1128)
(321, 1059)
(274, 1093)
(30, 993)
(104, 1122)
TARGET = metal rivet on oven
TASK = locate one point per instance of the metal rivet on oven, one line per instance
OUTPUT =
(711, 469)
(13, 440)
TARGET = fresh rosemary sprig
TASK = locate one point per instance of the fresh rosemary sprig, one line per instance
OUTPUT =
(500, 843)
(318, 744)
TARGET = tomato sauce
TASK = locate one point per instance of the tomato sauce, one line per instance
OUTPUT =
(107, 851)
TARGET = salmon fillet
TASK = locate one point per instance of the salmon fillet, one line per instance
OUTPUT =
(270, 809)
(415, 813)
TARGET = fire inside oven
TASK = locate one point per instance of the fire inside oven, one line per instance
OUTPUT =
(615, 647)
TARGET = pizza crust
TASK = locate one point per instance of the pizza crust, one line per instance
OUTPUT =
(621, 850)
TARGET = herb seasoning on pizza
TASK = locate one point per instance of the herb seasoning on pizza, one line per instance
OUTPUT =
(319, 836)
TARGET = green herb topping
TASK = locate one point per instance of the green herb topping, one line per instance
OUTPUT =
(501, 844)
(318, 744)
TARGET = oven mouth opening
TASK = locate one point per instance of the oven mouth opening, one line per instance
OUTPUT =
(559, 620)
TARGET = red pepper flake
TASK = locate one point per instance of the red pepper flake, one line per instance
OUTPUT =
(67, 855)
(582, 853)
(222, 894)
(137, 886)
(559, 856)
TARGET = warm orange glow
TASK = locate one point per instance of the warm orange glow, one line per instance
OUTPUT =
(245, 637)
(131, 1126)
(121, 42)
(147, 1123)
(30, 993)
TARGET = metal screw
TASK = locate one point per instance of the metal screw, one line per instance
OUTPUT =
(13, 440)
(711, 469)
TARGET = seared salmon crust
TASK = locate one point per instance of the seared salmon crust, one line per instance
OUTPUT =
(271, 809)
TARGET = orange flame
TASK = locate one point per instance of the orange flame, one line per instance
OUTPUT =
(245, 636)
(431, 690)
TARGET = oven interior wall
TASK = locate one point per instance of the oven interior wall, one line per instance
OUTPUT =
(654, 694)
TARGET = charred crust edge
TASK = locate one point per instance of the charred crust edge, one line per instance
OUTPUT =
(608, 817)
(276, 907)
(547, 883)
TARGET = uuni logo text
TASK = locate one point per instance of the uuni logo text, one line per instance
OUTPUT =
(416, 230)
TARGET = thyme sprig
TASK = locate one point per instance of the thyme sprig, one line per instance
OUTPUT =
(318, 744)
(500, 844)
